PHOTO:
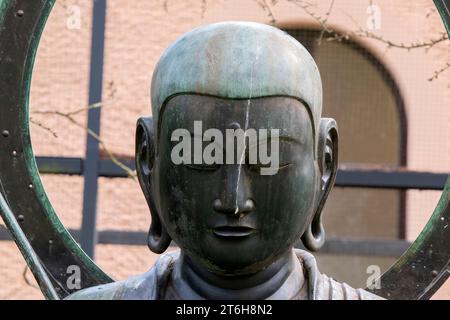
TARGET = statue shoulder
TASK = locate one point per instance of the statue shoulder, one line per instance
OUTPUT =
(134, 288)
(322, 287)
(110, 291)
(146, 286)
(330, 289)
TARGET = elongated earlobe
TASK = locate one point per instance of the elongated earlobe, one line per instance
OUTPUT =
(314, 236)
(158, 238)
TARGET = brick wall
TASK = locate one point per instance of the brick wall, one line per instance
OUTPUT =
(136, 35)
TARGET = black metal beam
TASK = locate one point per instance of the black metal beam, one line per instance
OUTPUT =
(51, 165)
(355, 246)
(88, 229)
(391, 179)
(366, 247)
(345, 177)
(75, 166)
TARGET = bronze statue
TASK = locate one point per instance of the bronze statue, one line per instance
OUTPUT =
(236, 227)
(235, 222)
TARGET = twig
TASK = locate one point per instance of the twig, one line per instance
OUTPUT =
(70, 116)
(265, 6)
(27, 281)
(414, 45)
(111, 156)
(327, 15)
(430, 12)
(360, 32)
(305, 6)
(63, 4)
(42, 126)
(437, 73)
(92, 106)
(204, 5)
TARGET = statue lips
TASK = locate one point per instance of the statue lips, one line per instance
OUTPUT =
(233, 231)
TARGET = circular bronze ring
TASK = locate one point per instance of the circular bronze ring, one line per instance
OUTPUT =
(46, 244)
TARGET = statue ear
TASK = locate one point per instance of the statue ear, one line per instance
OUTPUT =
(158, 238)
(327, 156)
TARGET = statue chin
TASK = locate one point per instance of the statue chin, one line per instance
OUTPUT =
(222, 264)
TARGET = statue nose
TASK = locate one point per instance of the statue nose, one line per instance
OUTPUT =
(241, 208)
(235, 194)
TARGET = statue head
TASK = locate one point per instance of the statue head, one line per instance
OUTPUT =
(235, 207)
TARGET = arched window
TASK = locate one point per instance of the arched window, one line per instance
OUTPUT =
(360, 93)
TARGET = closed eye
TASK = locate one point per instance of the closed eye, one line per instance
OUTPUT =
(286, 165)
(203, 167)
(257, 167)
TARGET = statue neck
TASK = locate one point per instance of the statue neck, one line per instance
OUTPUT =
(283, 279)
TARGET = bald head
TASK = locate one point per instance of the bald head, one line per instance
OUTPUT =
(237, 60)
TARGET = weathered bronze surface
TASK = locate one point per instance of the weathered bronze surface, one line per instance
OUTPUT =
(235, 226)
(46, 245)
(199, 271)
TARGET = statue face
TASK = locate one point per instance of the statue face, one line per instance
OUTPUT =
(230, 217)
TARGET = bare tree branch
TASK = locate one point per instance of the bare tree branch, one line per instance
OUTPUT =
(327, 15)
(42, 126)
(27, 281)
(204, 5)
(265, 6)
(166, 6)
(430, 12)
(437, 73)
(414, 45)
(360, 32)
(307, 7)
(63, 4)
(70, 117)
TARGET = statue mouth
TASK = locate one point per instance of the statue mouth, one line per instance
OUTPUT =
(233, 231)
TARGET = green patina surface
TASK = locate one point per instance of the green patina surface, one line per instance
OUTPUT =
(29, 155)
(428, 231)
(432, 224)
(224, 66)
(444, 11)
(3, 6)
(34, 262)
(275, 80)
